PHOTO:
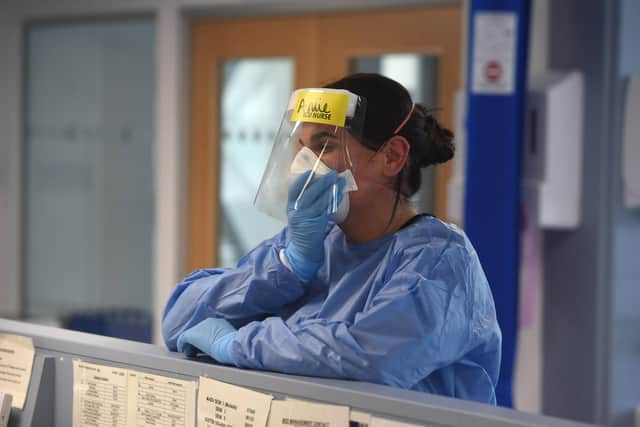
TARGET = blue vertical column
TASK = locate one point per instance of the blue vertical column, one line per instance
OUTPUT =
(497, 58)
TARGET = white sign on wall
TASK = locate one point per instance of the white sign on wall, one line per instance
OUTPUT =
(494, 53)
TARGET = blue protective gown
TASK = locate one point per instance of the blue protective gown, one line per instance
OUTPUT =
(411, 310)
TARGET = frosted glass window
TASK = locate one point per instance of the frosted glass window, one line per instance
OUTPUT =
(88, 167)
(419, 74)
(255, 93)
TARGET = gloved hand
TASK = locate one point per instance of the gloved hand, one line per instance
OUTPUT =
(211, 336)
(308, 215)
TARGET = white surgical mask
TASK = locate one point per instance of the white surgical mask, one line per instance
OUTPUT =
(307, 160)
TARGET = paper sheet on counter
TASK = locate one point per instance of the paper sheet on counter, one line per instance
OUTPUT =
(225, 405)
(16, 364)
(160, 400)
(100, 395)
(361, 419)
(297, 413)
(383, 422)
(106, 395)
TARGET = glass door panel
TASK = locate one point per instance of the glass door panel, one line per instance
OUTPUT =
(254, 95)
(88, 173)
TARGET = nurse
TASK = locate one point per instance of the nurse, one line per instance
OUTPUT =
(358, 285)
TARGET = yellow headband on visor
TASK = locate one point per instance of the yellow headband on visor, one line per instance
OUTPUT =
(335, 107)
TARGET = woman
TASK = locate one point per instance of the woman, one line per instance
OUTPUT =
(358, 285)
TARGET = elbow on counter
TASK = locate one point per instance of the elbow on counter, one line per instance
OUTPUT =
(170, 329)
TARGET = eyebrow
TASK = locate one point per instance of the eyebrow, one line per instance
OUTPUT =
(319, 137)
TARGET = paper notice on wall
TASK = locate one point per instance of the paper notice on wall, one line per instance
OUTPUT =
(106, 395)
(16, 364)
(383, 422)
(225, 405)
(494, 53)
(296, 413)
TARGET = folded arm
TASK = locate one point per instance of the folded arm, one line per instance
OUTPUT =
(259, 286)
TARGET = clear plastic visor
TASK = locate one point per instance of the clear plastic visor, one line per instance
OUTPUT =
(301, 149)
(311, 142)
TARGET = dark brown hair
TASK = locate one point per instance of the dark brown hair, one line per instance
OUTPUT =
(387, 104)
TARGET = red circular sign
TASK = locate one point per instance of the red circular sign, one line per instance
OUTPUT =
(493, 71)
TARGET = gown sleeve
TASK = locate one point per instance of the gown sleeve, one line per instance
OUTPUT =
(258, 286)
(431, 311)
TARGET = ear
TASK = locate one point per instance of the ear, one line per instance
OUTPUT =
(396, 152)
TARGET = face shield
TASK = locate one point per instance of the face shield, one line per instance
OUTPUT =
(312, 141)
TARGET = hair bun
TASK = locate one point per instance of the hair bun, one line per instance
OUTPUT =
(437, 146)
(440, 140)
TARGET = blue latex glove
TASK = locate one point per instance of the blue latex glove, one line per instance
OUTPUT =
(308, 215)
(211, 336)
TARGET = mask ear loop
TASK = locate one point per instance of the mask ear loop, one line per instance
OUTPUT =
(311, 175)
(376, 183)
(334, 189)
(398, 129)
(349, 161)
(395, 132)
